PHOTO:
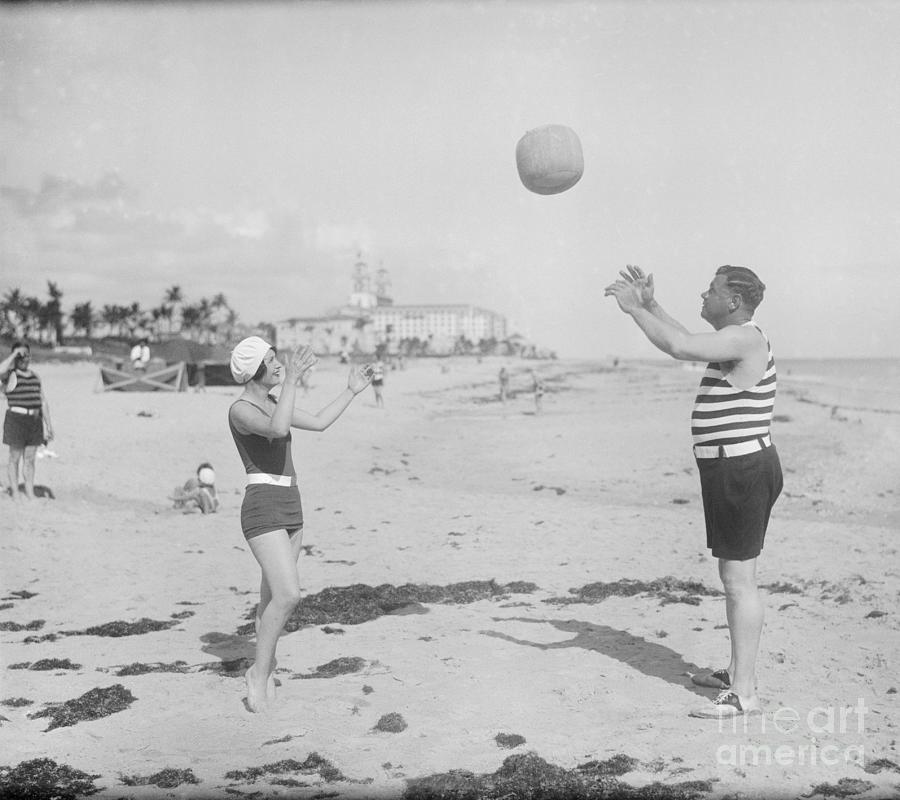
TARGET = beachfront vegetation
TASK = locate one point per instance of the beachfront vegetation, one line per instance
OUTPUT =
(210, 321)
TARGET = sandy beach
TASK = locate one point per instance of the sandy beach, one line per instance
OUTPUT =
(511, 664)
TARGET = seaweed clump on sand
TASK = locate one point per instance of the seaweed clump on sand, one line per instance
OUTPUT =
(119, 628)
(44, 779)
(509, 741)
(528, 775)
(879, 764)
(352, 605)
(140, 668)
(47, 664)
(345, 665)
(94, 704)
(391, 723)
(16, 702)
(314, 764)
(667, 589)
(782, 587)
(167, 778)
(34, 625)
(845, 787)
(21, 594)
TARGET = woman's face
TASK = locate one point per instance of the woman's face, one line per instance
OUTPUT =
(274, 369)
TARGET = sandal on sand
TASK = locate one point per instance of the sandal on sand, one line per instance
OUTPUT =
(727, 705)
(720, 679)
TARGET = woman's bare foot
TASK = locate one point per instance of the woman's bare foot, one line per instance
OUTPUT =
(256, 691)
(270, 683)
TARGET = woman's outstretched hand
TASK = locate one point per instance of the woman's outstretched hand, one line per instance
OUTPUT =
(360, 377)
(302, 360)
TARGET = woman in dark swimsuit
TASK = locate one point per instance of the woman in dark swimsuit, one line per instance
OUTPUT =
(271, 513)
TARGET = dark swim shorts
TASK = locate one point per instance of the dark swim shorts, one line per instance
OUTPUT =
(270, 508)
(23, 430)
(738, 495)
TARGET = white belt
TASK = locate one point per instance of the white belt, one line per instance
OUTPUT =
(31, 412)
(731, 450)
(271, 480)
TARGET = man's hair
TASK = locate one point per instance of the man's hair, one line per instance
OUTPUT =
(745, 283)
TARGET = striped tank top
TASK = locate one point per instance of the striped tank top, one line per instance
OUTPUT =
(27, 391)
(260, 454)
(724, 414)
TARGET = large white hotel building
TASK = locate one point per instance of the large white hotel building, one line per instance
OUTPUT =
(370, 318)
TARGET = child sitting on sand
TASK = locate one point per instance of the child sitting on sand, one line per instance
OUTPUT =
(198, 492)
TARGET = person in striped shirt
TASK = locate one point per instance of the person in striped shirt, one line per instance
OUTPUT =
(27, 423)
(740, 473)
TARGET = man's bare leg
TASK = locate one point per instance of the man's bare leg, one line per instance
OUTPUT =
(745, 613)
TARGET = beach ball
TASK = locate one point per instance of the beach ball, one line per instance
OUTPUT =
(549, 159)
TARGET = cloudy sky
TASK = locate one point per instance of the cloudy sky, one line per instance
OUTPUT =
(253, 149)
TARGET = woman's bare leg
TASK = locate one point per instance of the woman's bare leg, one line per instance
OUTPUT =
(275, 553)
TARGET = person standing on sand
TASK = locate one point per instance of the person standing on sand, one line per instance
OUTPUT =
(740, 473)
(271, 512)
(503, 377)
(537, 386)
(378, 382)
(27, 424)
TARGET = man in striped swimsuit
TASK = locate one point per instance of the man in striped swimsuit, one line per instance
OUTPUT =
(27, 422)
(740, 474)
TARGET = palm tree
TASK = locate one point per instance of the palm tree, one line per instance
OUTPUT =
(165, 312)
(53, 311)
(31, 315)
(108, 316)
(204, 310)
(11, 310)
(230, 322)
(114, 316)
(45, 320)
(173, 297)
(190, 319)
(133, 316)
(83, 318)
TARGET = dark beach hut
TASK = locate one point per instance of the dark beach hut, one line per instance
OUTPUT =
(206, 363)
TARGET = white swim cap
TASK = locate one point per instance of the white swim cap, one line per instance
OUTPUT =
(247, 356)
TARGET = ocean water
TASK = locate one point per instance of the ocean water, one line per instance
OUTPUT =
(864, 384)
(871, 384)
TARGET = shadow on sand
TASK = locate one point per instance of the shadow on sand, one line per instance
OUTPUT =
(650, 658)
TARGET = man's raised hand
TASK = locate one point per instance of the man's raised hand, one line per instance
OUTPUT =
(644, 282)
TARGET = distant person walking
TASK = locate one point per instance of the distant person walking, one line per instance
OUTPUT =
(27, 424)
(740, 473)
(271, 512)
(378, 382)
(503, 377)
(537, 386)
(140, 354)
